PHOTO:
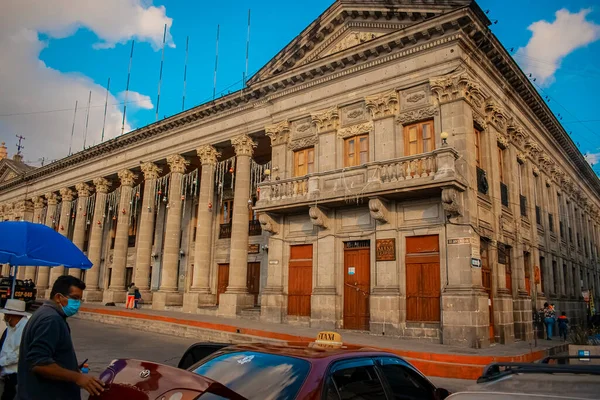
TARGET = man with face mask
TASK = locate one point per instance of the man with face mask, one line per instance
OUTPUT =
(15, 318)
(48, 367)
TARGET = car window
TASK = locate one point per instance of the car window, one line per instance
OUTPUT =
(257, 376)
(405, 384)
(356, 381)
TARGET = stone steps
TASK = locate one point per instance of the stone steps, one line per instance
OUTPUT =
(252, 313)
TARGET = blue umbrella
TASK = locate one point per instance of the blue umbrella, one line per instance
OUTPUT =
(27, 244)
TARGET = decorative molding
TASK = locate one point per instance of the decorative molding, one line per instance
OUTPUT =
(518, 135)
(533, 149)
(351, 40)
(177, 163)
(383, 104)
(535, 170)
(243, 145)
(150, 170)
(417, 115)
(415, 97)
(379, 209)
(358, 129)
(23, 206)
(51, 198)
(459, 85)
(101, 184)
(268, 223)
(478, 119)
(66, 194)
(521, 157)
(450, 202)
(38, 202)
(302, 143)
(327, 120)
(318, 217)
(548, 182)
(496, 115)
(545, 161)
(126, 177)
(278, 132)
(83, 189)
(502, 140)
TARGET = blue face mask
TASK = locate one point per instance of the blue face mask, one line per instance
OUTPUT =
(72, 307)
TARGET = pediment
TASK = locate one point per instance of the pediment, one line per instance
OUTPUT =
(351, 23)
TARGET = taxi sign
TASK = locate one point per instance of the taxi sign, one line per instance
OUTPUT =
(329, 339)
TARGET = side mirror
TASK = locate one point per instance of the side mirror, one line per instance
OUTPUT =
(441, 394)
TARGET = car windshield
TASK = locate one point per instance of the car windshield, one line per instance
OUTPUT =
(257, 376)
(8, 282)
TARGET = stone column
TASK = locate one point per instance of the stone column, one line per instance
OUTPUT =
(116, 291)
(92, 292)
(168, 294)
(146, 232)
(273, 301)
(65, 218)
(38, 208)
(43, 279)
(237, 297)
(83, 195)
(25, 211)
(200, 290)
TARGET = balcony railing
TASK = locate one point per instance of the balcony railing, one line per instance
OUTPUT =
(396, 175)
(225, 231)
(482, 182)
(504, 194)
(523, 203)
(254, 228)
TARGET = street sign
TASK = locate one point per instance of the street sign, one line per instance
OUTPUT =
(475, 262)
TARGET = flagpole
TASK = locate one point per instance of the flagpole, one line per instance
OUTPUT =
(87, 119)
(127, 88)
(216, 64)
(73, 128)
(105, 106)
(162, 60)
(187, 42)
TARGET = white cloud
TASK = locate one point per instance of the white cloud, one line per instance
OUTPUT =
(551, 42)
(592, 158)
(28, 85)
(136, 100)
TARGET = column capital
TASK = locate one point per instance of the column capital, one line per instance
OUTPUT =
(208, 154)
(327, 120)
(177, 163)
(150, 170)
(83, 189)
(38, 202)
(101, 185)
(243, 145)
(127, 177)
(382, 104)
(51, 198)
(278, 132)
(66, 194)
(23, 206)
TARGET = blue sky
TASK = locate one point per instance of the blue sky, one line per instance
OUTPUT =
(70, 52)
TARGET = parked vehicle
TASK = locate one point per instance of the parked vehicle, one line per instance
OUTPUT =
(24, 290)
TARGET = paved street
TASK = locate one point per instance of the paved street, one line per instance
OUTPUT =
(101, 343)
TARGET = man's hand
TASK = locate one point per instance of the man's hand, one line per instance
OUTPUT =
(90, 384)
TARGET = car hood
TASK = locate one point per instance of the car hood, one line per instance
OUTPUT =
(143, 380)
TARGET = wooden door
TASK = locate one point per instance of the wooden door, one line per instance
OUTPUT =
(300, 280)
(357, 283)
(253, 280)
(486, 282)
(222, 279)
(422, 279)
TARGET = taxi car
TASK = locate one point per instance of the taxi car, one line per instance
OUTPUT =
(325, 369)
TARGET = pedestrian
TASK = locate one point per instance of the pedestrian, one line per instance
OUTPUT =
(48, 367)
(549, 318)
(563, 325)
(131, 295)
(16, 319)
(137, 298)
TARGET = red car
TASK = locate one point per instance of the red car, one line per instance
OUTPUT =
(325, 369)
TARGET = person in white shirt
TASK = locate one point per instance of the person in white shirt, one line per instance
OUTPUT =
(16, 319)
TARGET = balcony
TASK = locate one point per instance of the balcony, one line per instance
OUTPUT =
(396, 177)
(504, 194)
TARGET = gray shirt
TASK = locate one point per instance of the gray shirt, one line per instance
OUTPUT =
(46, 340)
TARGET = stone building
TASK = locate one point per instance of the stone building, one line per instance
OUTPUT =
(391, 170)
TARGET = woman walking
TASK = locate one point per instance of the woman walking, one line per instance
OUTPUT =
(131, 296)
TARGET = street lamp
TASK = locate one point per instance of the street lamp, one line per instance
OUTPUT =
(444, 137)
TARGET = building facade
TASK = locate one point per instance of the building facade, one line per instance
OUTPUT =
(391, 170)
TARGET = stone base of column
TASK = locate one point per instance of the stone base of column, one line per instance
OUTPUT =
(504, 329)
(273, 306)
(114, 296)
(193, 300)
(322, 308)
(41, 293)
(147, 296)
(55, 272)
(385, 312)
(465, 319)
(230, 304)
(75, 272)
(93, 295)
(162, 299)
(523, 317)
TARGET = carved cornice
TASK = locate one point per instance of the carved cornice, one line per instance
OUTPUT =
(268, 223)
(502, 140)
(23, 206)
(383, 104)
(243, 145)
(496, 115)
(66, 194)
(83, 189)
(533, 149)
(101, 185)
(353, 39)
(303, 143)
(521, 157)
(208, 155)
(545, 161)
(517, 135)
(421, 114)
(318, 217)
(127, 177)
(38, 202)
(51, 198)
(278, 133)
(535, 170)
(479, 120)
(358, 129)
(177, 164)
(326, 121)
(379, 209)
(459, 85)
(150, 170)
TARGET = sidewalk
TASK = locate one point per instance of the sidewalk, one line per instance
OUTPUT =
(431, 358)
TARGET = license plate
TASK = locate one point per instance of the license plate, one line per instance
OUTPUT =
(23, 294)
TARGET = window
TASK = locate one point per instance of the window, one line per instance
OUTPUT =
(304, 161)
(501, 163)
(404, 382)
(132, 233)
(356, 379)
(356, 150)
(226, 211)
(522, 189)
(418, 138)
(478, 159)
(556, 277)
